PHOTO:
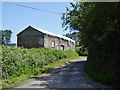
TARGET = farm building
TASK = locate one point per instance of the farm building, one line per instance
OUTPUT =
(32, 37)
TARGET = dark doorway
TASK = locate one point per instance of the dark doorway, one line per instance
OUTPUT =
(62, 47)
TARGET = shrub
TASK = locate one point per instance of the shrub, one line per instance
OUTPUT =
(17, 61)
(82, 51)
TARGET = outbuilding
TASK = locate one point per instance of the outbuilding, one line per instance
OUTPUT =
(32, 37)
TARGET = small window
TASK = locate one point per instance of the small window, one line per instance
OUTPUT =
(53, 44)
(68, 47)
(68, 42)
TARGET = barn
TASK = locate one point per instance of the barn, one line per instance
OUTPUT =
(32, 37)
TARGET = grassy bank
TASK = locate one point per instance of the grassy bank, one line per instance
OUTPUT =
(19, 63)
(81, 50)
(13, 82)
(25, 77)
(104, 76)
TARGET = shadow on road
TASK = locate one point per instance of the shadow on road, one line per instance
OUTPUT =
(70, 76)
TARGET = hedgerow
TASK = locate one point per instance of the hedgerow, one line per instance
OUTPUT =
(98, 29)
(82, 51)
(17, 61)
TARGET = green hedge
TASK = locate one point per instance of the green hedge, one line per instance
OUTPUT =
(18, 61)
(82, 51)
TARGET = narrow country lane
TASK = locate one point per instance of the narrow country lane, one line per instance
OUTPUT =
(71, 75)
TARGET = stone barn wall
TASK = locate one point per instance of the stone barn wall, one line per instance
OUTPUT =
(48, 42)
(30, 38)
(58, 42)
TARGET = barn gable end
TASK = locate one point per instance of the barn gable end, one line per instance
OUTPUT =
(30, 37)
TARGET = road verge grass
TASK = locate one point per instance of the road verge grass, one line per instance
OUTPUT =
(106, 79)
(18, 64)
(14, 82)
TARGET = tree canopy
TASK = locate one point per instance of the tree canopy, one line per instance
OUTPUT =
(92, 19)
(99, 30)
(72, 35)
(6, 36)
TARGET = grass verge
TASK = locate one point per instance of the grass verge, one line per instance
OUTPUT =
(106, 79)
(15, 81)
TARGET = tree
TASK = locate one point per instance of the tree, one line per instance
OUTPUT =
(99, 30)
(72, 35)
(6, 36)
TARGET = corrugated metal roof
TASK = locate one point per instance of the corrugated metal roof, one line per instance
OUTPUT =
(53, 34)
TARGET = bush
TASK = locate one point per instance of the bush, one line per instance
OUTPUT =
(17, 61)
(82, 51)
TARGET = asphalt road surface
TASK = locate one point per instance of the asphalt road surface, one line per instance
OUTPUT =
(71, 75)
